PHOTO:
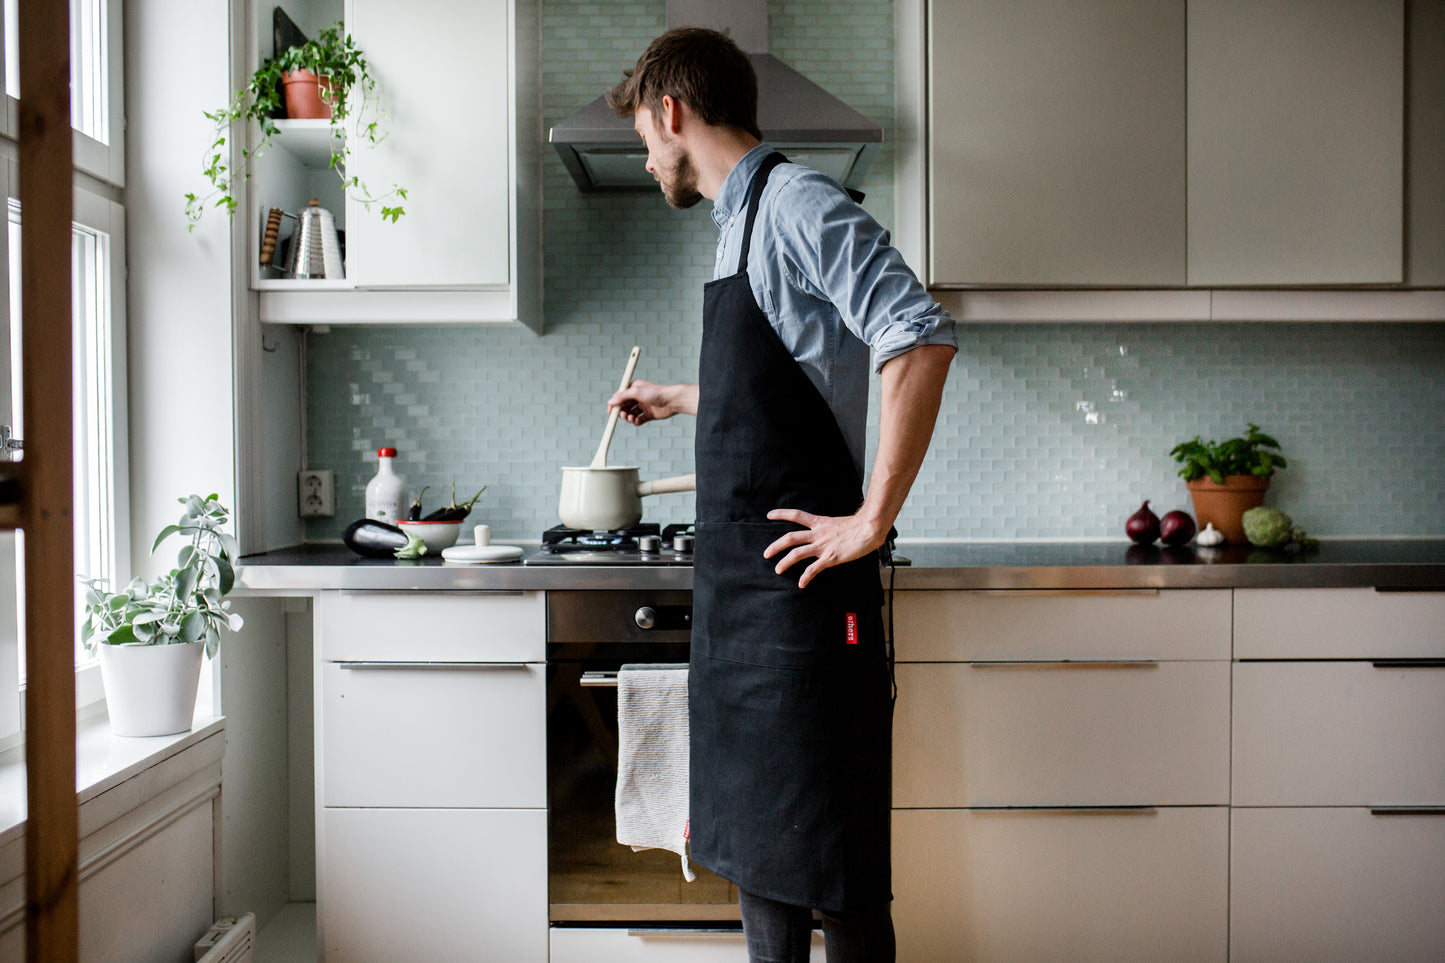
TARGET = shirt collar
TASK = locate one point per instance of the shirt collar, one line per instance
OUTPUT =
(732, 197)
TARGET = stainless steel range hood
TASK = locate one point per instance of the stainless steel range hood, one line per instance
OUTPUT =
(804, 121)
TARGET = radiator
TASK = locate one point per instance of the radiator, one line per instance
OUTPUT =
(229, 940)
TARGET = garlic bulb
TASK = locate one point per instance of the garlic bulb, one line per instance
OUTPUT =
(1210, 536)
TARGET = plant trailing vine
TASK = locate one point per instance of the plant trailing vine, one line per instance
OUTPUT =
(187, 604)
(348, 89)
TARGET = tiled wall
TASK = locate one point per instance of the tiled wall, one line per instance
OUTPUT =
(1047, 431)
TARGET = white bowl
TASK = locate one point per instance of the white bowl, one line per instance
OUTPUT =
(436, 535)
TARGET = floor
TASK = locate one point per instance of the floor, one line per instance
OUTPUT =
(290, 937)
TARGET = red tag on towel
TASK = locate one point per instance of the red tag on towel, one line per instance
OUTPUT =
(852, 628)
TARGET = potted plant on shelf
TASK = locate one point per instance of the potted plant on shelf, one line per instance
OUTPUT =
(1228, 478)
(150, 636)
(322, 78)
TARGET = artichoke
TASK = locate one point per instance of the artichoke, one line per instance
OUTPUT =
(1268, 527)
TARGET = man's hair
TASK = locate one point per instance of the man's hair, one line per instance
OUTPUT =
(702, 68)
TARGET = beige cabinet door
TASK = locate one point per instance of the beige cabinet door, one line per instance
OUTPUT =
(1296, 142)
(1061, 734)
(1345, 623)
(1336, 886)
(433, 884)
(443, 70)
(1056, 151)
(1000, 887)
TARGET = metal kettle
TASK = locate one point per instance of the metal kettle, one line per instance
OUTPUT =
(315, 251)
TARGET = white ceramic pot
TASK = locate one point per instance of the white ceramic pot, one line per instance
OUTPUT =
(150, 690)
(606, 499)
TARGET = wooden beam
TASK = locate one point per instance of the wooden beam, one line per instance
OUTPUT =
(46, 201)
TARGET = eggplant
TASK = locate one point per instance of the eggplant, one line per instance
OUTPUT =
(413, 514)
(373, 539)
(454, 512)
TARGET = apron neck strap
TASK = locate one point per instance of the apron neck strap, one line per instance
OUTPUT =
(760, 179)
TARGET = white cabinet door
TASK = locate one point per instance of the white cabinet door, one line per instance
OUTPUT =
(433, 884)
(994, 887)
(433, 626)
(582, 945)
(1336, 886)
(444, 71)
(980, 626)
(1338, 734)
(1296, 142)
(1338, 624)
(1061, 734)
(432, 734)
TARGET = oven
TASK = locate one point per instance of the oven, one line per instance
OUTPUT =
(592, 879)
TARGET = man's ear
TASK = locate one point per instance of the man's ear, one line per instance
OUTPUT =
(671, 118)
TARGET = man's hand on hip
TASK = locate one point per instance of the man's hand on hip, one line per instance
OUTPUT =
(829, 540)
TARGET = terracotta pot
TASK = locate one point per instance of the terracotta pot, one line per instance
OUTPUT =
(1224, 505)
(306, 95)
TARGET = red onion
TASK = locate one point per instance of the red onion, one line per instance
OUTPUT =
(1143, 525)
(1176, 528)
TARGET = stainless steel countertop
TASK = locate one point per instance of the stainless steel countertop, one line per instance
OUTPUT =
(1379, 563)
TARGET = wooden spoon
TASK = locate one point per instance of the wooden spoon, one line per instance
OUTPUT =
(599, 460)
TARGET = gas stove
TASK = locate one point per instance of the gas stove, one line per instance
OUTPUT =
(645, 544)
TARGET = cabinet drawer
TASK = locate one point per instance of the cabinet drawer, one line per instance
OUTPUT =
(433, 884)
(975, 734)
(1338, 734)
(1338, 624)
(433, 626)
(965, 626)
(583, 945)
(992, 887)
(438, 735)
(1336, 886)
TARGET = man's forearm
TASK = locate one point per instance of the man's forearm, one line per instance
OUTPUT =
(912, 391)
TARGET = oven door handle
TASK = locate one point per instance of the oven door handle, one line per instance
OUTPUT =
(606, 680)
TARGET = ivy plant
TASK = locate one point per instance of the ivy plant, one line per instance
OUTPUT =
(356, 114)
(187, 604)
(1253, 454)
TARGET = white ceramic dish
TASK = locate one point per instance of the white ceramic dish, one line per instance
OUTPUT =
(481, 554)
(436, 535)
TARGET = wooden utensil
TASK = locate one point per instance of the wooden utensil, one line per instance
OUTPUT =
(599, 460)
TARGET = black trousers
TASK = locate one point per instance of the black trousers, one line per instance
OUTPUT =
(780, 933)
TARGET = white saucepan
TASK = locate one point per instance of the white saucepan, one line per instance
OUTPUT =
(603, 499)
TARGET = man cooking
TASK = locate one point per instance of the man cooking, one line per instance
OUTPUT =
(789, 682)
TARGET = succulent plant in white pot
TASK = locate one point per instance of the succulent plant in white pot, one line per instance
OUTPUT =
(150, 636)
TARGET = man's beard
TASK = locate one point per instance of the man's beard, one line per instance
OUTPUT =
(679, 185)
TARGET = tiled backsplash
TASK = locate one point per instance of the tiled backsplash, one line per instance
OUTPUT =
(1047, 431)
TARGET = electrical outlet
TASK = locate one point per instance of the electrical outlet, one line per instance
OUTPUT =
(315, 493)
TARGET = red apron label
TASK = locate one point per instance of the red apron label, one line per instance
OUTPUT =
(852, 628)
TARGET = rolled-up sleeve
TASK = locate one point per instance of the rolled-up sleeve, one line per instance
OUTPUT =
(836, 251)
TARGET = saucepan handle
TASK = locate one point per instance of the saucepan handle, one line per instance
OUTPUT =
(679, 483)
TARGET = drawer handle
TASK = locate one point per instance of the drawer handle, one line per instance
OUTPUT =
(417, 592)
(1066, 593)
(688, 933)
(434, 665)
(602, 680)
(1407, 810)
(1067, 810)
(1071, 664)
(1408, 663)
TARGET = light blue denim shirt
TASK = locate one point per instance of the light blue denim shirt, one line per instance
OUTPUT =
(827, 279)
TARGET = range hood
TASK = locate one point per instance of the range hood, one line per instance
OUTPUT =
(603, 152)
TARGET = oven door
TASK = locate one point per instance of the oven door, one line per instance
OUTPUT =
(591, 877)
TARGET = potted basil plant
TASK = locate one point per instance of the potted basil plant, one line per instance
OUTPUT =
(1227, 478)
(341, 89)
(150, 636)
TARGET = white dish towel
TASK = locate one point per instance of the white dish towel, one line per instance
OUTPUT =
(652, 771)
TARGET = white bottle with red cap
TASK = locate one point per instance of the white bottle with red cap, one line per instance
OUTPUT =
(386, 493)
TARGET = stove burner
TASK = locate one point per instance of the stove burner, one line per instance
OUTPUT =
(646, 543)
(560, 538)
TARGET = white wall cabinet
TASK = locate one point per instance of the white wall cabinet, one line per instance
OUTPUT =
(431, 787)
(1133, 144)
(458, 83)
(1061, 775)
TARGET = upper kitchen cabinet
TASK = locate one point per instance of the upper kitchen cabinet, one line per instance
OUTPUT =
(1425, 141)
(1296, 142)
(458, 91)
(1056, 143)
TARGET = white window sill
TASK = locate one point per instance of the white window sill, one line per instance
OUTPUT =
(102, 761)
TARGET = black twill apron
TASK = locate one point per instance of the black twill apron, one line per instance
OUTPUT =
(790, 708)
